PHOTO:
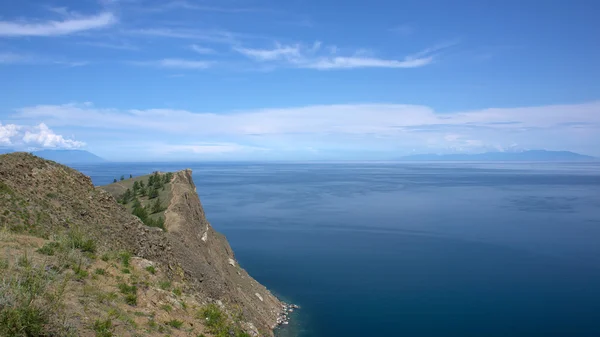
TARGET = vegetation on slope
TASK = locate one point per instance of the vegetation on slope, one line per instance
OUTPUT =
(61, 287)
(144, 196)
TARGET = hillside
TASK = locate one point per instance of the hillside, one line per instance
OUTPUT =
(98, 270)
(69, 156)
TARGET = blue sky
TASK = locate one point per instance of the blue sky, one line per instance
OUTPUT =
(251, 79)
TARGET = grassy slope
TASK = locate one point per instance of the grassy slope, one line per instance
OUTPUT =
(75, 293)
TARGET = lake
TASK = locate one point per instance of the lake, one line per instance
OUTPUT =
(411, 249)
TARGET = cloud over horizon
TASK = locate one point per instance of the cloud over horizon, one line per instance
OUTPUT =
(20, 137)
(351, 127)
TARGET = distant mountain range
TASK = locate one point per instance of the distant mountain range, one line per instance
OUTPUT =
(64, 156)
(532, 155)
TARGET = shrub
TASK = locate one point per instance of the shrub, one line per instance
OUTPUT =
(164, 285)
(103, 328)
(125, 258)
(77, 240)
(30, 301)
(130, 293)
(131, 299)
(175, 323)
(49, 248)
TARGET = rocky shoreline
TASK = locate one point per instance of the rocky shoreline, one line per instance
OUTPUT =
(286, 310)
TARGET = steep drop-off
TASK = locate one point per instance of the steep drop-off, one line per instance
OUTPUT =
(50, 205)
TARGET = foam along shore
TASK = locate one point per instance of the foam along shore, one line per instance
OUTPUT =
(286, 310)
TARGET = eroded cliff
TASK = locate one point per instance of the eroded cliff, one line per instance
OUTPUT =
(184, 279)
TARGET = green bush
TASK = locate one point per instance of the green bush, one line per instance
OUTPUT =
(49, 248)
(30, 301)
(103, 328)
(125, 258)
(164, 284)
(76, 239)
(131, 299)
(175, 323)
(130, 292)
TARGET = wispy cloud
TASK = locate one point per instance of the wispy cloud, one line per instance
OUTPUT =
(376, 126)
(325, 58)
(38, 136)
(202, 50)
(110, 45)
(7, 58)
(215, 36)
(176, 64)
(198, 7)
(70, 25)
(206, 148)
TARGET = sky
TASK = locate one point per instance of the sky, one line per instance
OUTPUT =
(147, 80)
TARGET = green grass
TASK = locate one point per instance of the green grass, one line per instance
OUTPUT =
(164, 284)
(50, 248)
(177, 291)
(166, 307)
(125, 258)
(76, 239)
(31, 301)
(174, 323)
(100, 271)
(218, 323)
(130, 293)
(103, 328)
(151, 270)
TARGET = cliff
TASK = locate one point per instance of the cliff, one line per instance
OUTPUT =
(184, 279)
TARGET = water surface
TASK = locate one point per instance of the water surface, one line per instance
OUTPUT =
(402, 249)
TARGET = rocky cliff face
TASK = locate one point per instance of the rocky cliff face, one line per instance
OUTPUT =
(42, 198)
(208, 261)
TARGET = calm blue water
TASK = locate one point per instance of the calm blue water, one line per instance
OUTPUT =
(412, 249)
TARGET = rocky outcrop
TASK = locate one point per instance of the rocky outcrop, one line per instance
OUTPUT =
(208, 261)
(43, 198)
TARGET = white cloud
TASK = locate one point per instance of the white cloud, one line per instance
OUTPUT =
(324, 58)
(71, 25)
(39, 136)
(176, 64)
(191, 6)
(202, 50)
(364, 126)
(7, 133)
(206, 148)
(214, 36)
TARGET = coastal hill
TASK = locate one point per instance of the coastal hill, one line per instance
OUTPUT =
(64, 156)
(96, 269)
(530, 155)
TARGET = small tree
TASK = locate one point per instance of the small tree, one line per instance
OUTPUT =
(136, 187)
(156, 206)
(122, 178)
(130, 176)
(115, 180)
(153, 193)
